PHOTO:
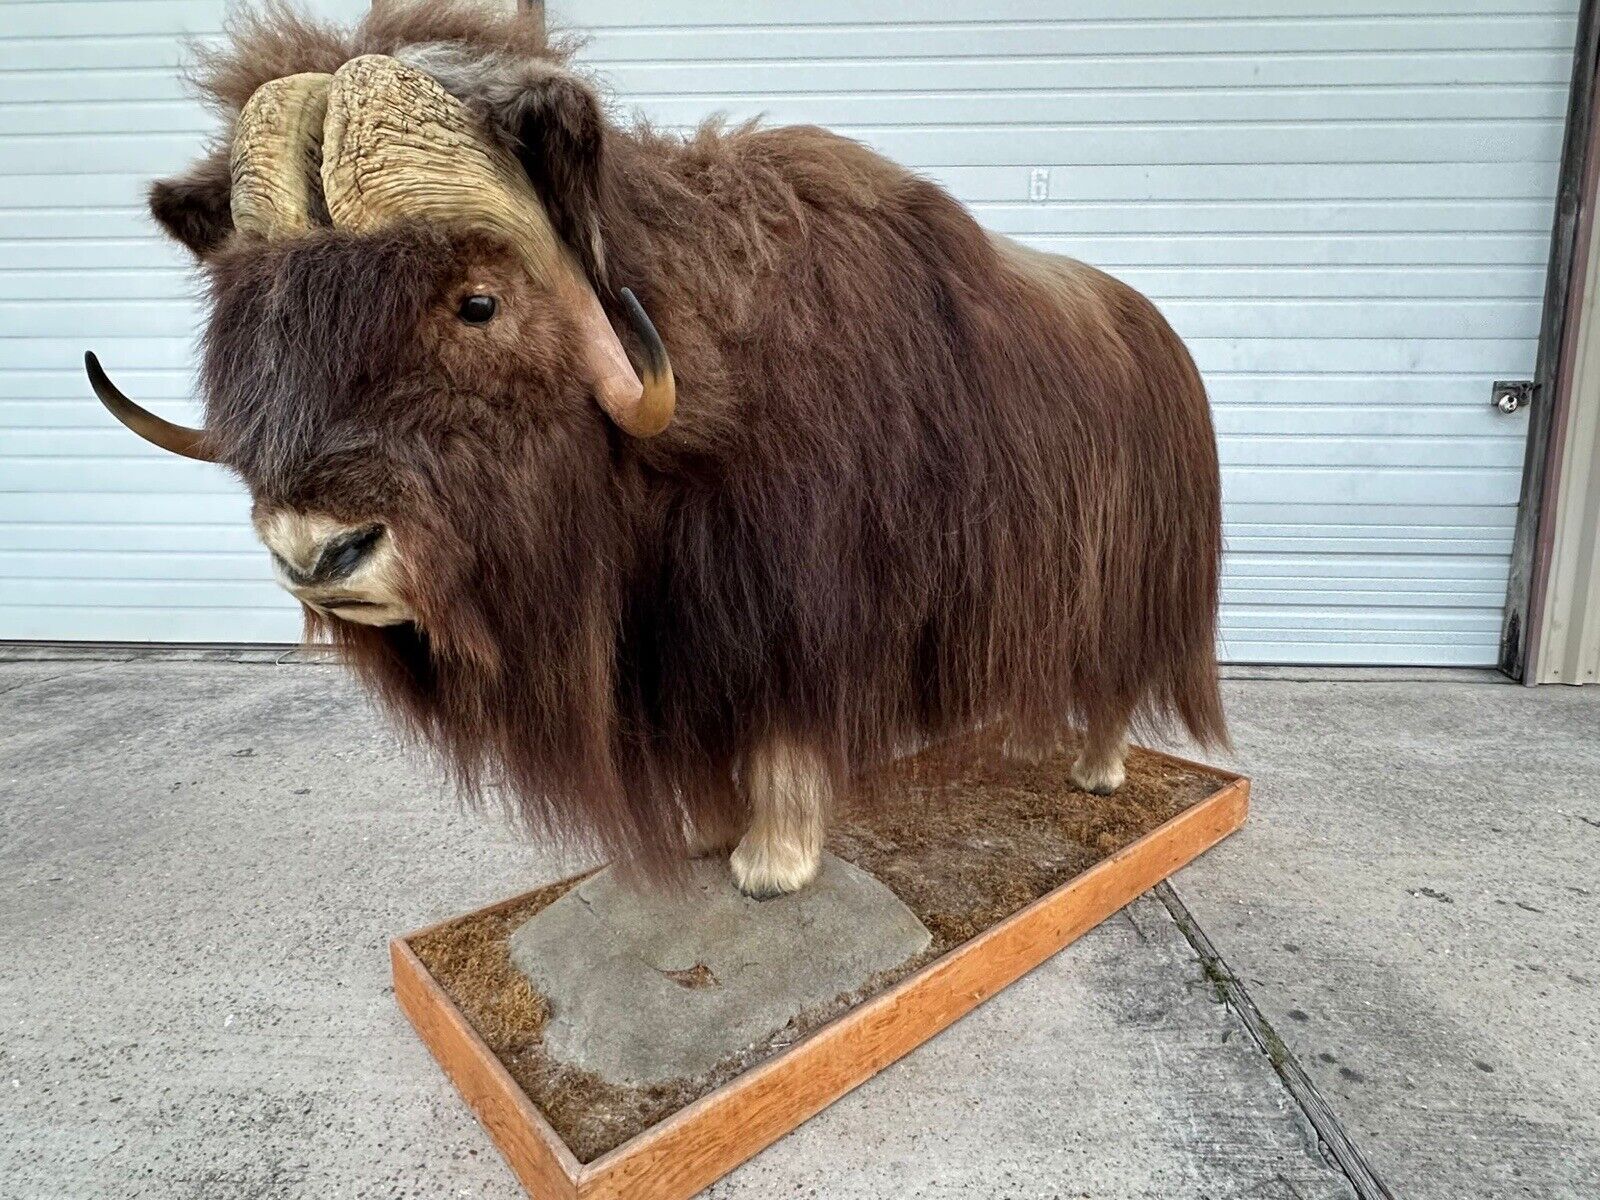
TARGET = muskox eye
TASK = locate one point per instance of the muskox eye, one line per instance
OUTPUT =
(477, 310)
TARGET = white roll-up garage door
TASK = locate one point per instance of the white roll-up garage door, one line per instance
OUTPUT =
(1344, 208)
(101, 537)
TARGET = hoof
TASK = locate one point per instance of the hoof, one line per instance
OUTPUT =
(764, 872)
(1101, 779)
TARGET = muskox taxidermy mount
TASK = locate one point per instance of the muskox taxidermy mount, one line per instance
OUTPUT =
(664, 484)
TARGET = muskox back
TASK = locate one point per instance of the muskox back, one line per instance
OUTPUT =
(927, 478)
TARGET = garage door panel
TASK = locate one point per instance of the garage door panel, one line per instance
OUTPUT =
(1317, 570)
(59, 192)
(1376, 594)
(1379, 519)
(89, 440)
(151, 563)
(1381, 636)
(91, 152)
(1352, 651)
(137, 473)
(1385, 181)
(1021, 107)
(80, 418)
(45, 255)
(1381, 183)
(174, 115)
(770, 82)
(1324, 282)
(1267, 449)
(136, 549)
(785, 33)
(119, 352)
(127, 283)
(1336, 622)
(1363, 655)
(1365, 485)
(169, 21)
(1389, 531)
(111, 18)
(1323, 541)
(1297, 215)
(73, 504)
(109, 85)
(1351, 419)
(64, 384)
(1356, 318)
(1116, 251)
(1380, 393)
(42, 317)
(603, 14)
(69, 57)
(80, 421)
(145, 593)
(198, 621)
(1485, 358)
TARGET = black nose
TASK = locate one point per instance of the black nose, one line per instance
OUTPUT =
(343, 553)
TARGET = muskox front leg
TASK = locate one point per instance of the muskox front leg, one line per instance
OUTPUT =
(788, 788)
(1099, 766)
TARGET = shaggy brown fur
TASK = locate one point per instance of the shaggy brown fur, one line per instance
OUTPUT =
(919, 479)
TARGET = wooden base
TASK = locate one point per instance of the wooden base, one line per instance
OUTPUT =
(700, 1143)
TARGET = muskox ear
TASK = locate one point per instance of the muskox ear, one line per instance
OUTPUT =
(194, 207)
(559, 137)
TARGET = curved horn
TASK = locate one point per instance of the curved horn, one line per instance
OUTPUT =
(180, 439)
(277, 152)
(397, 147)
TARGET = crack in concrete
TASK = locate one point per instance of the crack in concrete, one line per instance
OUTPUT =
(1336, 1142)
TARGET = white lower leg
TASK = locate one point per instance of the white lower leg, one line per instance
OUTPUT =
(789, 790)
(1099, 766)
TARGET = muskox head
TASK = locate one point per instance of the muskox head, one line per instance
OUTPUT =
(419, 361)
(407, 359)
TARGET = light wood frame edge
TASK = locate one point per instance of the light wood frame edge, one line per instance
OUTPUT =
(703, 1141)
(535, 1152)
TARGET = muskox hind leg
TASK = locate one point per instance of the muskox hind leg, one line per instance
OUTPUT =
(715, 835)
(788, 789)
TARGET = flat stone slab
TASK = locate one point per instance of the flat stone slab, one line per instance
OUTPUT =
(646, 986)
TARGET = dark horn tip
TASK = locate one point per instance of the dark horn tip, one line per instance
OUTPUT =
(655, 354)
(98, 379)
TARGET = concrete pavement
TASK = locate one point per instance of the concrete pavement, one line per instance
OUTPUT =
(201, 861)
(1413, 906)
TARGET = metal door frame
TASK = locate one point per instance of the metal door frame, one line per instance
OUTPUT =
(1553, 380)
